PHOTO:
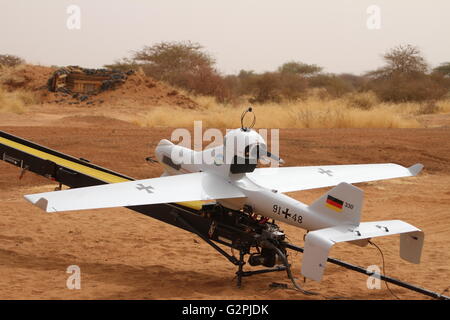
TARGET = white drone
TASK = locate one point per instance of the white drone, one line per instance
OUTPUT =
(239, 185)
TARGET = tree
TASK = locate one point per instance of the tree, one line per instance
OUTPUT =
(246, 82)
(181, 64)
(401, 60)
(174, 61)
(124, 65)
(292, 78)
(444, 69)
(357, 83)
(299, 68)
(405, 77)
(334, 85)
(267, 87)
(8, 60)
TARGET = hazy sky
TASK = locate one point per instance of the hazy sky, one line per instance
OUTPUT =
(255, 35)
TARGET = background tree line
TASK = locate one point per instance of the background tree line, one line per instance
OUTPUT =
(405, 76)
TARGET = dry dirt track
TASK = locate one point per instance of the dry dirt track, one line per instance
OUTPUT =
(125, 255)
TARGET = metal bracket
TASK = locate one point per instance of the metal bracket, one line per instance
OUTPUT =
(230, 258)
(23, 171)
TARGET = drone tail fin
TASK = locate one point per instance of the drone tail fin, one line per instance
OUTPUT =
(341, 209)
(319, 242)
(340, 205)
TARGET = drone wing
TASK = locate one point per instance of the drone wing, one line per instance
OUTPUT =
(179, 188)
(288, 179)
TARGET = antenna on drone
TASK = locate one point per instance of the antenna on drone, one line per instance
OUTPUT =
(250, 109)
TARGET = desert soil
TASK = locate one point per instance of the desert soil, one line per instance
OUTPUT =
(125, 255)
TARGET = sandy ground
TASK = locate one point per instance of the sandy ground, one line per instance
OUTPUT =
(123, 254)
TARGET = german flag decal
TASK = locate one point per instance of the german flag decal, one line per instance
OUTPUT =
(334, 203)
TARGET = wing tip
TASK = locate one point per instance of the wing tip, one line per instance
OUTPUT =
(415, 169)
(42, 203)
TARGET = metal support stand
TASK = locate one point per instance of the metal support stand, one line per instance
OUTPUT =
(241, 273)
(22, 173)
(240, 268)
(230, 258)
(377, 275)
(242, 252)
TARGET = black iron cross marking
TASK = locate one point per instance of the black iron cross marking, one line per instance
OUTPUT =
(286, 214)
(140, 187)
(327, 172)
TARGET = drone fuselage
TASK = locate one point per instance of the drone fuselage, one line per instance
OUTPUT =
(259, 200)
(280, 207)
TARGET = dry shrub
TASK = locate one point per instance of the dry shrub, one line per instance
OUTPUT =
(292, 86)
(28, 97)
(334, 85)
(444, 106)
(10, 77)
(428, 108)
(9, 102)
(318, 93)
(417, 87)
(204, 102)
(336, 114)
(267, 88)
(411, 109)
(310, 113)
(16, 101)
(362, 100)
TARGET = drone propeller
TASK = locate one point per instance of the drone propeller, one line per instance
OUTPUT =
(267, 154)
(261, 151)
(275, 157)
